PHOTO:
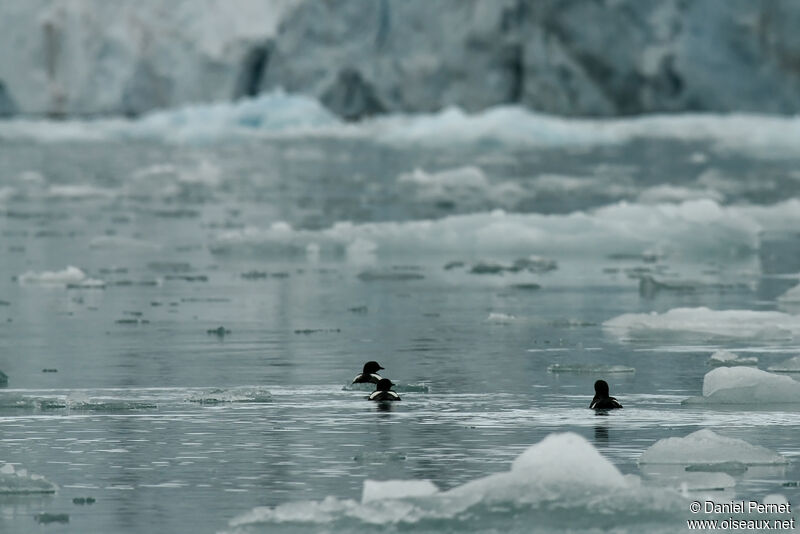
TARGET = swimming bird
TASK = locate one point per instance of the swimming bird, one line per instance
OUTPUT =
(369, 374)
(601, 400)
(383, 391)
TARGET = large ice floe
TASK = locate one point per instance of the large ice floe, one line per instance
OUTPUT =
(560, 483)
(621, 228)
(705, 447)
(19, 482)
(725, 358)
(706, 322)
(746, 386)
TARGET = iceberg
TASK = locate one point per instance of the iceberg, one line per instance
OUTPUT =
(560, 482)
(746, 385)
(707, 447)
(706, 322)
(724, 358)
(19, 482)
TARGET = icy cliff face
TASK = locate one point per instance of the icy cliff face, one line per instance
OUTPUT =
(362, 57)
(84, 57)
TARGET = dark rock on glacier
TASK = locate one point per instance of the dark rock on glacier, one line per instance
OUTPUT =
(7, 105)
(351, 97)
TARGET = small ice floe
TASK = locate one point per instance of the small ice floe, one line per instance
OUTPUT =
(562, 482)
(724, 358)
(71, 276)
(588, 368)
(500, 318)
(254, 394)
(80, 401)
(705, 447)
(460, 186)
(19, 482)
(706, 322)
(747, 386)
(792, 365)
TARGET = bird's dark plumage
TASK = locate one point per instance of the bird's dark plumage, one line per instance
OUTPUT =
(602, 400)
(383, 391)
(369, 374)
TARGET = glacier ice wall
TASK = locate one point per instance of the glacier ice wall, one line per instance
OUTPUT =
(363, 57)
(86, 57)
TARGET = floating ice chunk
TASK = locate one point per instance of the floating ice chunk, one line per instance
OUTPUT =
(792, 365)
(502, 318)
(707, 447)
(724, 358)
(589, 368)
(746, 385)
(397, 489)
(70, 275)
(236, 394)
(723, 323)
(462, 184)
(17, 482)
(791, 296)
(80, 401)
(467, 177)
(562, 482)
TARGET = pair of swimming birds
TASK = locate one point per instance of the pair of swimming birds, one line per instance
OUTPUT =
(383, 389)
(383, 386)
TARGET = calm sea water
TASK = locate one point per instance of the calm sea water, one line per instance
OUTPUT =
(122, 388)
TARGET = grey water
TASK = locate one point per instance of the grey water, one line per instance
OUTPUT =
(128, 393)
